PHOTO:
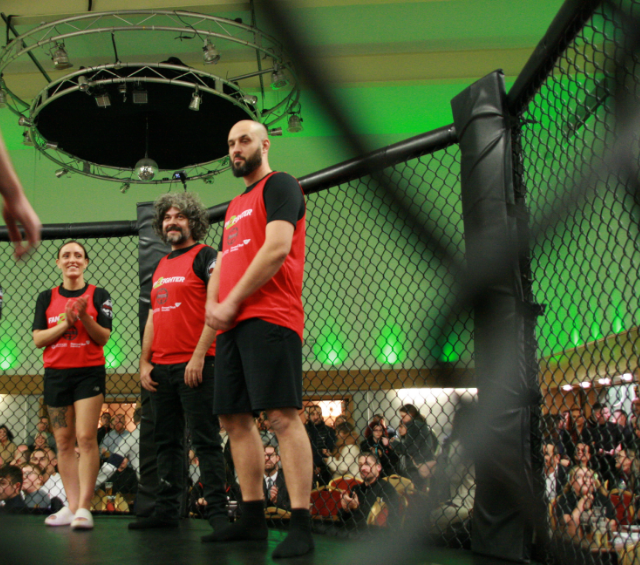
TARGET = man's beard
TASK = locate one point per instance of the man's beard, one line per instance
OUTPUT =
(174, 238)
(247, 166)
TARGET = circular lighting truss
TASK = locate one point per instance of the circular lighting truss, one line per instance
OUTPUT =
(105, 118)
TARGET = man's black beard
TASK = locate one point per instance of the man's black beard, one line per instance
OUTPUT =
(183, 236)
(247, 166)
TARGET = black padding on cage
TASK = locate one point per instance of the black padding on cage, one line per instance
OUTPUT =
(501, 527)
(150, 250)
(82, 230)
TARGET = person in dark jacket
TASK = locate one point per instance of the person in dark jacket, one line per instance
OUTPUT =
(323, 440)
(418, 445)
(379, 444)
(10, 487)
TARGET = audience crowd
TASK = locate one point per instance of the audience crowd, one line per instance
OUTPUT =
(592, 469)
(369, 475)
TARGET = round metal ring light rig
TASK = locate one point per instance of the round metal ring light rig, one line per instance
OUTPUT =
(151, 121)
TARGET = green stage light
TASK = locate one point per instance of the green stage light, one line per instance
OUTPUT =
(329, 348)
(449, 354)
(113, 354)
(390, 348)
(8, 354)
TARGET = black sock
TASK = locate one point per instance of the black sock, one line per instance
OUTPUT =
(299, 540)
(252, 525)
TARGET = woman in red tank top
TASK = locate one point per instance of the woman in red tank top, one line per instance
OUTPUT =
(74, 378)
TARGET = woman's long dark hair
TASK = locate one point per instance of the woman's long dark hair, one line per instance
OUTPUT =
(413, 412)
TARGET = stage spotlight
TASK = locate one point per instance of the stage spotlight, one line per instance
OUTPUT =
(210, 54)
(102, 99)
(61, 172)
(295, 124)
(278, 80)
(275, 132)
(22, 121)
(51, 145)
(250, 99)
(140, 95)
(83, 83)
(146, 168)
(60, 58)
(122, 89)
(26, 138)
(196, 100)
(125, 186)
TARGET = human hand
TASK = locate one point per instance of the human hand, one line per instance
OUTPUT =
(145, 376)
(220, 316)
(18, 211)
(193, 372)
(80, 307)
(273, 494)
(385, 441)
(70, 314)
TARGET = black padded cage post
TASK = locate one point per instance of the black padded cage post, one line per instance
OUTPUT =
(502, 525)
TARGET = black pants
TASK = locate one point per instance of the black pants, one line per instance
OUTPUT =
(174, 402)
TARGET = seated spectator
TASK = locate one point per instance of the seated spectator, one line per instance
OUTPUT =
(357, 505)
(632, 440)
(41, 441)
(10, 486)
(7, 447)
(453, 485)
(32, 481)
(379, 443)
(573, 427)
(21, 455)
(582, 455)
(346, 452)
(604, 437)
(628, 467)
(379, 419)
(273, 485)
(116, 437)
(583, 503)
(52, 482)
(323, 440)
(105, 426)
(117, 471)
(418, 445)
(194, 468)
(42, 426)
(267, 434)
(555, 473)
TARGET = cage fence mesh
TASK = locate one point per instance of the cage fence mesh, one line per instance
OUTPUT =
(585, 258)
(373, 296)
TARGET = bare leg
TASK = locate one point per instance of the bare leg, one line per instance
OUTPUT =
(248, 457)
(297, 462)
(248, 454)
(295, 452)
(87, 416)
(64, 430)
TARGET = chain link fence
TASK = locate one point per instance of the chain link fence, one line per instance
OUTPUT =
(378, 376)
(580, 169)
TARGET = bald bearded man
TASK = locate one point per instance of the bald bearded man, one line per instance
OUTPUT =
(255, 304)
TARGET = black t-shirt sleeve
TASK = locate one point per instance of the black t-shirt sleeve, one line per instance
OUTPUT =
(40, 317)
(283, 199)
(204, 263)
(102, 302)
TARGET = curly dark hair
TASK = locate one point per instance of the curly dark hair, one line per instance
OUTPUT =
(190, 205)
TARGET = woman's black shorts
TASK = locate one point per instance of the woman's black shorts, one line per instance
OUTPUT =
(62, 387)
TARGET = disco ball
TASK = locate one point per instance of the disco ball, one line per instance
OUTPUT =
(146, 168)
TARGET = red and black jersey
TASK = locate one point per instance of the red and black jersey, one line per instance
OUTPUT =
(75, 348)
(279, 300)
(178, 300)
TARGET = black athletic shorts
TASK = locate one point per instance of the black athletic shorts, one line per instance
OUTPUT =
(62, 387)
(258, 367)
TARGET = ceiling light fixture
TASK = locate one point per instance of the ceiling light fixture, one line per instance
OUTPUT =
(125, 186)
(146, 168)
(250, 99)
(22, 121)
(140, 95)
(278, 80)
(102, 99)
(51, 145)
(83, 83)
(196, 100)
(295, 124)
(276, 132)
(60, 58)
(61, 172)
(210, 54)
